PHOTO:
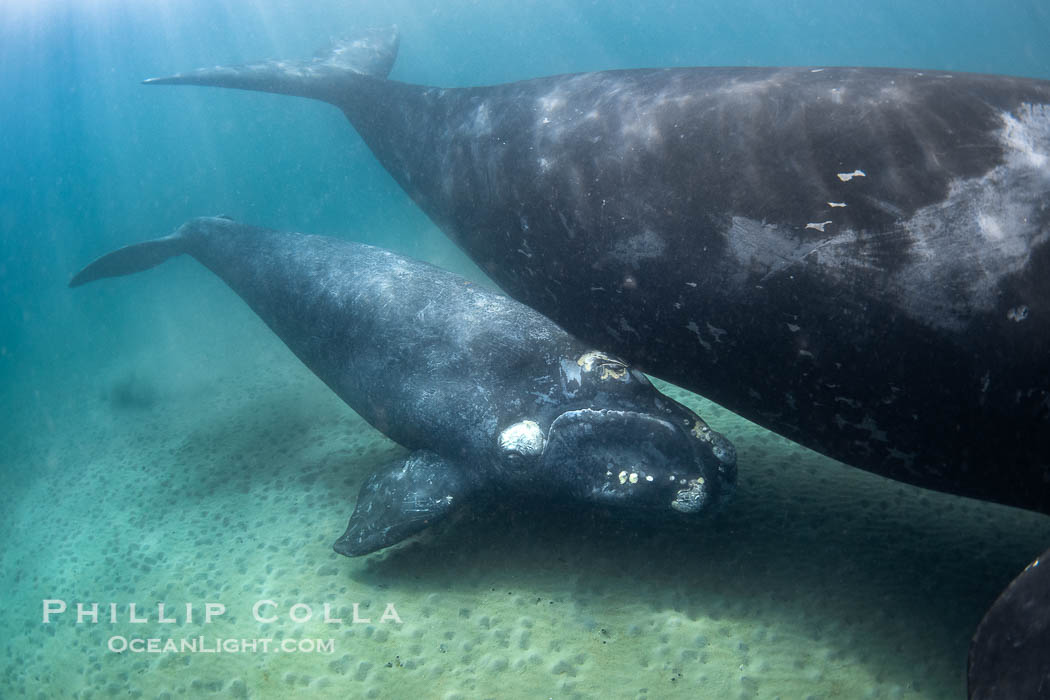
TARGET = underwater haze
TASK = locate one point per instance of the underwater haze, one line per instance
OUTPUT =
(159, 445)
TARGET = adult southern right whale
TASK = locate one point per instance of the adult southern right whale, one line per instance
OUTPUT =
(855, 258)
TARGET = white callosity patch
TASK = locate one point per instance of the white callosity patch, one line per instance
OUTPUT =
(692, 498)
(525, 438)
(595, 358)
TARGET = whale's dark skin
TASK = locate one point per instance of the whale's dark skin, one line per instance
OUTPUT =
(491, 396)
(855, 258)
(1010, 654)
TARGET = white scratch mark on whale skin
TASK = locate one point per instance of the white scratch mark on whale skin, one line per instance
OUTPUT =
(846, 177)
(818, 226)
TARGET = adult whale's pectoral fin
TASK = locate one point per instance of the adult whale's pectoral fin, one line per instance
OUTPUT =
(371, 52)
(403, 500)
(1010, 653)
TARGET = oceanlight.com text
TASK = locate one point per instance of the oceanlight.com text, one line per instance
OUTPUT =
(217, 645)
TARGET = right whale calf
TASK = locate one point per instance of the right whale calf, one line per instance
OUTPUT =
(491, 396)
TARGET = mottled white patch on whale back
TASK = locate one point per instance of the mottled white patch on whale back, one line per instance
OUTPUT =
(985, 229)
(766, 250)
(482, 120)
(989, 226)
(640, 127)
(960, 248)
(551, 102)
(753, 86)
(615, 103)
(1027, 135)
(647, 245)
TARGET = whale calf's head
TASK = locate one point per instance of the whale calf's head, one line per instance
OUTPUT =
(620, 442)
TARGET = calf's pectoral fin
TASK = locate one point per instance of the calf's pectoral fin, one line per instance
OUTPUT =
(403, 500)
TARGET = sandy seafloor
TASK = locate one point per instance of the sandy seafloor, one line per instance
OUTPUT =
(218, 469)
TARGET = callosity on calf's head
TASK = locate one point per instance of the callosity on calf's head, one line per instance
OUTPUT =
(618, 441)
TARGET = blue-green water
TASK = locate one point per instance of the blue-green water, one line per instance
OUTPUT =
(92, 158)
(830, 595)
